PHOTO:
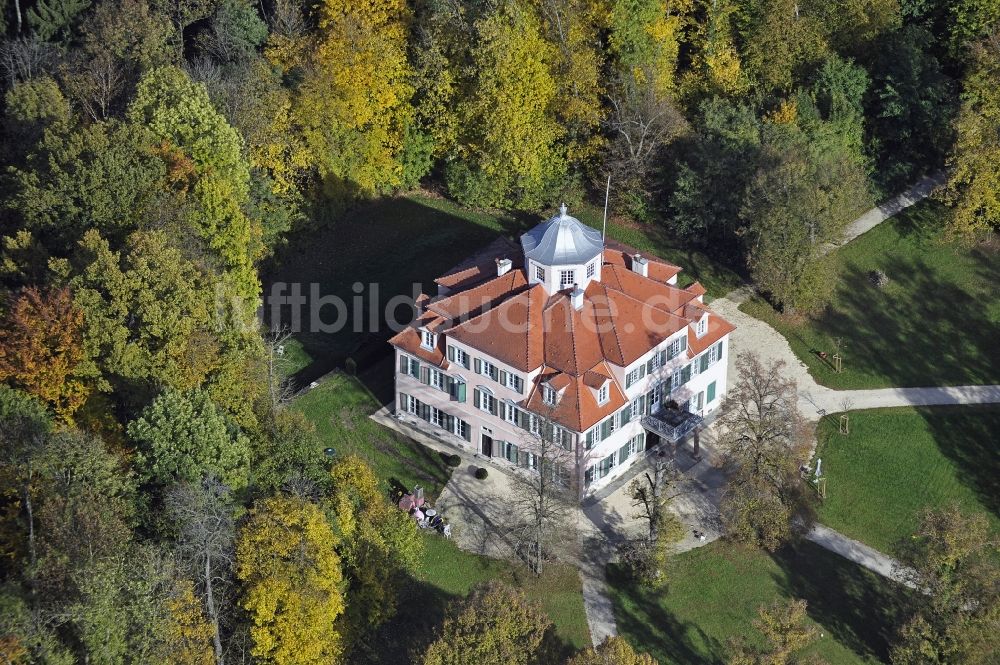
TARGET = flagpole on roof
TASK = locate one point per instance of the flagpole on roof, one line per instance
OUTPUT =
(607, 192)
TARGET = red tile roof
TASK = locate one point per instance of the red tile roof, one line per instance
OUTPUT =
(621, 318)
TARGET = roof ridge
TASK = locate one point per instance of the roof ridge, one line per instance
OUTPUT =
(621, 351)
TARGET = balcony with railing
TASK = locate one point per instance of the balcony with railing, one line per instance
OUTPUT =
(672, 424)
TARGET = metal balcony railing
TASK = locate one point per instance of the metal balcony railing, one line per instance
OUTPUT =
(671, 424)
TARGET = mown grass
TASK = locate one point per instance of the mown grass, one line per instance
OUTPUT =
(716, 590)
(896, 462)
(934, 323)
(401, 244)
(339, 407)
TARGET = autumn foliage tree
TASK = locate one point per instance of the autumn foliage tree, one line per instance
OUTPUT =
(974, 182)
(786, 632)
(613, 650)
(41, 344)
(953, 558)
(380, 543)
(763, 441)
(291, 578)
(496, 625)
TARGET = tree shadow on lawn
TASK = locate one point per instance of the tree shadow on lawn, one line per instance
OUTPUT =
(917, 331)
(858, 608)
(423, 608)
(967, 436)
(393, 243)
(655, 630)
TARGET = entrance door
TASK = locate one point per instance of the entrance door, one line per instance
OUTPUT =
(487, 445)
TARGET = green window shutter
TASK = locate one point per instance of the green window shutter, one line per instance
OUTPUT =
(685, 374)
(642, 405)
(503, 377)
(415, 369)
(606, 429)
(704, 363)
(425, 375)
(590, 438)
(479, 366)
(451, 353)
(684, 342)
(628, 380)
(626, 414)
(623, 453)
(663, 357)
(649, 365)
(460, 391)
(477, 397)
(642, 371)
(718, 351)
(493, 406)
(404, 364)
(711, 391)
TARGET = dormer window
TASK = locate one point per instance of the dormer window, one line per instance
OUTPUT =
(591, 269)
(428, 339)
(702, 327)
(567, 278)
(540, 273)
(602, 394)
(549, 395)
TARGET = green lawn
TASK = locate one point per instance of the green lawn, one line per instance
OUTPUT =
(449, 573)
(339, 406)
(896, 462)
(396, 243)
(717, 589)
(934, 323)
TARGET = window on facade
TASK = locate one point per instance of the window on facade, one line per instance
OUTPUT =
(566, 278)
(510, 452)
(540, 273)
(457, 355)
(548, 395)
(592, 269)
(408, 365)
(429, 339)
(437, 417)
(437, 379)
(710, 392)
(702, 326)
(632, 377)
(514, 382)
(675, 347)
(602, 394)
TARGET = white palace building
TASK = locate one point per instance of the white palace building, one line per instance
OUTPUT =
(568, 334)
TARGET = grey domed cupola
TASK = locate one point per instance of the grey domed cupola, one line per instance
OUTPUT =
(562, 252)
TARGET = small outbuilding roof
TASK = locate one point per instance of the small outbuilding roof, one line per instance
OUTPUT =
(562, 240)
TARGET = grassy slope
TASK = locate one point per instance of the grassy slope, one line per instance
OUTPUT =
(339, 407)
(717, 589)
(895, 462)
(934, 324)
(399, 242)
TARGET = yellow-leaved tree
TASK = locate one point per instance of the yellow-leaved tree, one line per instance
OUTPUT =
(353, 105)
(645, 39)
(380, 543)
(291, 583)
(974, 184)
(509, 152)
(187, 634)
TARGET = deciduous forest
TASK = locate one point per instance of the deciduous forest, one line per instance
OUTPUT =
(160, 503)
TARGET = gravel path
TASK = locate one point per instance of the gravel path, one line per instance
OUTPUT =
(815, 400)
(884, 211)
